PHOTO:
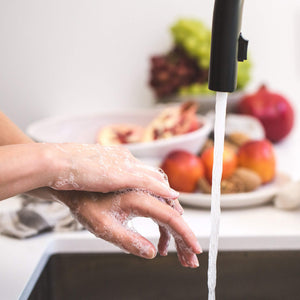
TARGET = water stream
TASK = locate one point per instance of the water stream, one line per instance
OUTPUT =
(215, 213)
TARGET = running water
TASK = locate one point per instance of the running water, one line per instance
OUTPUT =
(215, 213)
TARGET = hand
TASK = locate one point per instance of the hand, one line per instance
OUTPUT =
(107, 215)
(105, 169)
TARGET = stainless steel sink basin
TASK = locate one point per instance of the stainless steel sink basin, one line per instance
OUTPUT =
(241, 275)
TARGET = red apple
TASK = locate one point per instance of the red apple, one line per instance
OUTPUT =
(183, 169)
(258, 156)
(273, 110)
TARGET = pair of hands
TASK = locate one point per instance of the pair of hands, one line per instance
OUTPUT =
(105, 187)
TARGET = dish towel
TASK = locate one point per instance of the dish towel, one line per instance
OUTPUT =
(36, 216)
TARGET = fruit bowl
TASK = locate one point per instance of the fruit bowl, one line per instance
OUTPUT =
(84, 129)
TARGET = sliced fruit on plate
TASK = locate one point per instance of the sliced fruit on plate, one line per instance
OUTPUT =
(118, 134)
(173, 121)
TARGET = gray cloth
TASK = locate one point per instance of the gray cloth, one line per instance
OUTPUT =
(37, 216)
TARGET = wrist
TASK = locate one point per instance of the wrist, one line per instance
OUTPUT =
(56, 162)
(60, 165)
(25, 167)
(69, 198)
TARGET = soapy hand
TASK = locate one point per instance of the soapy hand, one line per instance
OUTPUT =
(107, 216)
(91, 167)
(79, 175)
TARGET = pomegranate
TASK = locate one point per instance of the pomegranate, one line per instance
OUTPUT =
(272, 109)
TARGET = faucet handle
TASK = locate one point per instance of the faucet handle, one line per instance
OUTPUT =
(242, 48)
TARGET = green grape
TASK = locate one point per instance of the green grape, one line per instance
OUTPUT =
(194, 37)
(204, 61)
(243, 74)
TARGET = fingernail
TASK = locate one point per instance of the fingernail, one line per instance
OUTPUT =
(195, 262)
(174, 193)
(198, 248)
(151, 253)
(181, 211)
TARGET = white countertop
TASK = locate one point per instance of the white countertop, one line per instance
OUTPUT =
(255, 228)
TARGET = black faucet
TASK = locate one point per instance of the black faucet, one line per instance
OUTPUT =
(227, 45)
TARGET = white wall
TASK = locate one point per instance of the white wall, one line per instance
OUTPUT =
(61, 56)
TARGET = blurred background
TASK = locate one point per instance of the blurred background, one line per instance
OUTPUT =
(70, 56)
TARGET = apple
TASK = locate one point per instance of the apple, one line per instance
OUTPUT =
(183, 169)
(258, 156)
(272, 109)
(229, 162)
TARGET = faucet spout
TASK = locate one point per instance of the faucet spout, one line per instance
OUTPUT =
(227, 45)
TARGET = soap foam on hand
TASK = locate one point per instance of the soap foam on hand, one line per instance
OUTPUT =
(92, 167)
(107, 216)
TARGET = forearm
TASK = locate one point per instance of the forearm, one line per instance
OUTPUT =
(94, 168)
(10, 133)
(24, 167)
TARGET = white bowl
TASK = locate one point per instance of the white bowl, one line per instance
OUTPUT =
(84, 129)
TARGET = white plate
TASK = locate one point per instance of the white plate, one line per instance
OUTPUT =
(262, 195)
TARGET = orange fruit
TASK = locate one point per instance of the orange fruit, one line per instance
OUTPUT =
(258, 156)
(229, 162)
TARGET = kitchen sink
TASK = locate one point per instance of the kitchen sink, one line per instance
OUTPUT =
(241, 275)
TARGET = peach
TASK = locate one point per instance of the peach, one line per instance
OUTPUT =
(229, 162)
(258, 156)
(183, 169)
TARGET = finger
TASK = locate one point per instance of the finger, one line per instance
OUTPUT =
(181, 256)
(171, 202)
(129, 240)
(178, 207)
(164, 241)
(186, 257)
(157, 174)
(156, 187)
(143, 182)
(148, 206)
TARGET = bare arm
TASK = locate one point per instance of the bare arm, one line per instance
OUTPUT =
(20, 165)
(73, 173)
(25, 165)
(11, 133)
